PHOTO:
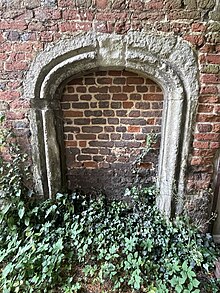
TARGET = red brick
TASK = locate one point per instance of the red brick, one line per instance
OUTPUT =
(90, 151)
(108, 113)
(46, 36)
(207, 136)
(216, 128)
(71, 129)
(120, 97)
(217, 109)
(101, 3)
(209, 99)
(201, 144)
(207, 48)
(70, 143)
(134, 113)
(84, 157)
(201, 161)
(85, 97)
(135, 80)
(210, 78)
(81, 105)
(72, 114)
(109, 128)
(98, 121)
(104, 80)
(138, 121)
(9, 95)
(153, 97)
(114, 121)
(92, 129)
(101, 73)
(196, 40)
(114, 89)
(128, 105)
(128, 89)
(103, 136)
(81, 89)
(214, 145)
(150, 81)
(198, 27)
(16, 65)
(70, 89)
(115, 136)
(23, 47)
(85, 136)
(82, 121)
(90, 165)
(85, 26)
(68, 27)
(203, 152)
(119, 80)
(142, 89)
(205, 108)
(142, 105)
(68, 98)
(15, 115)
(204, 127)
(101, 89)
(135, 97)
(102, 97)
(83, 143)
(208, 118)
(89, 81)
(70, 14)
(114, 73)
(209, 90)
(121, 113)
(20, 104)
(214, 59)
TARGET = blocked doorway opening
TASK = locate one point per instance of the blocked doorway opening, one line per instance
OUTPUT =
(168, 60)
(112, 130)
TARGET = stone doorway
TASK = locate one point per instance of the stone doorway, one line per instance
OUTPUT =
(168, 60)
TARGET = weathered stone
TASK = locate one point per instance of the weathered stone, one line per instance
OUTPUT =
(215, 14)
(211, 68)
(214, 26)
(170, 61)
(173, 4)
(31, 4)
(206, 4)
(48, 3)
(190, 4)
(13, 36)
(3, 106)
(83, 3)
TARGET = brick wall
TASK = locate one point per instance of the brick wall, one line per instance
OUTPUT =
(29, 27)
(108, 115)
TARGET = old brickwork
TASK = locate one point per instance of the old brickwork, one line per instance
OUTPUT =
(28, 27)
(108, 115)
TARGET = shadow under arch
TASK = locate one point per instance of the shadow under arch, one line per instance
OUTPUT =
(168, 60)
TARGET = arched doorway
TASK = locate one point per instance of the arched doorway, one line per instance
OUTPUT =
(169, 61)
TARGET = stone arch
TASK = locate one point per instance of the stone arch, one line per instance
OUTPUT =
(168, 60)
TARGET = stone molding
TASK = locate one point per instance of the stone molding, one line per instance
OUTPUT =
(168, 60)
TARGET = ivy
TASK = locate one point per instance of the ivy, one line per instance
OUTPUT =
(76, 241)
